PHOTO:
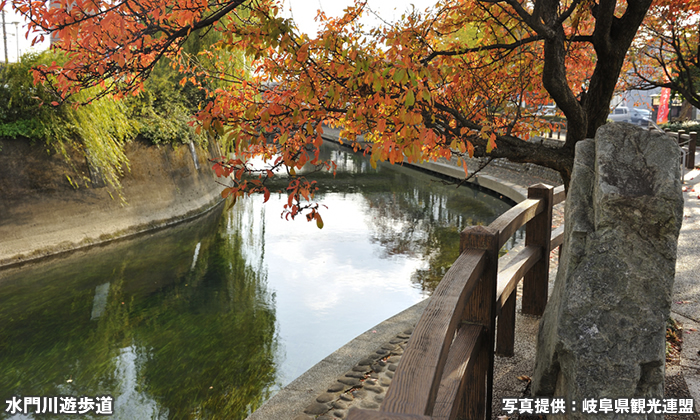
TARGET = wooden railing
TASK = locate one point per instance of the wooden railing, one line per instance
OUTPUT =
(557, 129)
(688, 142)
(446, 371)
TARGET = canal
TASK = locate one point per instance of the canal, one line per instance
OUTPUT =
(209, 318)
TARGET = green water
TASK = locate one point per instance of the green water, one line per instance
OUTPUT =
(209, 318)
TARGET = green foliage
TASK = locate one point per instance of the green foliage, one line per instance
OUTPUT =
(102, 128)
(162, 113)
(97, 130)
(21, 110)
(688, 126)
(164, 109)
(19, 97)
(29, 128)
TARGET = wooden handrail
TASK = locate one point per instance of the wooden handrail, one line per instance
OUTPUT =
(449, 358)
(509, 276)
(692, 144)
(559, 195)
(413, 391)
(512, 220)
(557, 237)
(460, 361)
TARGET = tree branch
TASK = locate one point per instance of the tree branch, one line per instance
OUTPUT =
(510, 46)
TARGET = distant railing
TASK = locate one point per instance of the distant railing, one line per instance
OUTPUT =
(446, 371)
(558, 128)
(688, 143)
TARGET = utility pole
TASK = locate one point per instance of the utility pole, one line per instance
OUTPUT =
(4, 37)
(17, 38)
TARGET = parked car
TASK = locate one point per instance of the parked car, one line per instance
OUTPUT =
(648, 123)
(547, 110)
(630, 115)
(640, 114)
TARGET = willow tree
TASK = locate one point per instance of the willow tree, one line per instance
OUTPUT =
(463, 78)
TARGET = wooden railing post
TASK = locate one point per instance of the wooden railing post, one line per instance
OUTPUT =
(505, 339)
(481, 309)
(690, 161)
(538, 232)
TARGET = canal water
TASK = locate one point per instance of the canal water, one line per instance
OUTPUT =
(209, 318)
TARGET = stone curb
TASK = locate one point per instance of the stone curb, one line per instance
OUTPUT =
(303, 392)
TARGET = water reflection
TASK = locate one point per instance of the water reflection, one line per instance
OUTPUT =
(174, 325)
(208, 319)
(389, 235)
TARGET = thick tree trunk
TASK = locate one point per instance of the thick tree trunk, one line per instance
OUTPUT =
(611, 39)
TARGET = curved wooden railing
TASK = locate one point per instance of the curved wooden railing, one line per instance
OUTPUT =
(688, 142)
(446, 371)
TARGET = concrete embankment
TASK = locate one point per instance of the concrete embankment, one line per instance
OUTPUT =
(41, 214)
(497, 176)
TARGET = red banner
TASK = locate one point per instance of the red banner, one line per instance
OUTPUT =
(662, 115)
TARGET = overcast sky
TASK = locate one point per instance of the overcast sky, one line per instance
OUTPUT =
(13, 33)
(303, 12)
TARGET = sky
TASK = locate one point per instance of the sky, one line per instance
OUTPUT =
(14, 34)
(302, 11)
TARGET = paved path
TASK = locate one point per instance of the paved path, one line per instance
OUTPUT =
(686, 290)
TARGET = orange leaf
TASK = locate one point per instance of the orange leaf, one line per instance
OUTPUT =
(491, 143)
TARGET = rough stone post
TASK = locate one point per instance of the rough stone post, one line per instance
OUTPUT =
(603, 332)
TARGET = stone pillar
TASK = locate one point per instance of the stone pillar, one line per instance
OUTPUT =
(603, 332)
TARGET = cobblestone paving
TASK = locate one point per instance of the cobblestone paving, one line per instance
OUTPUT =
(364, 386)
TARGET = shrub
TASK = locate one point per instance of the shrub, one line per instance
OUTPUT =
(688, 126)
(99, 129)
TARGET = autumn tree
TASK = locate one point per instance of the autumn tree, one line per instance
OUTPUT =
(666, 53)
(463, 78)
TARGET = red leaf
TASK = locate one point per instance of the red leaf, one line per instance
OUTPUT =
(218, 170)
